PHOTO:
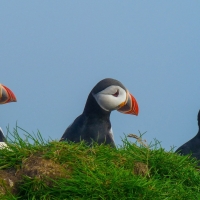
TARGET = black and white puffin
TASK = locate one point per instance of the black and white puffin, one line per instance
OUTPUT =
(193, 145)
(94, 123)
(6, 96)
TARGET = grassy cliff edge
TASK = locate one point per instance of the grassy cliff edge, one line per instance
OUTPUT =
(32, 168)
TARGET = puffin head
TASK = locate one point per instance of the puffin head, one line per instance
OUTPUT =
(6, 95)
(110, 94)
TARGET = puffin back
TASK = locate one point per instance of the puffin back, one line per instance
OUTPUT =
(198, 118)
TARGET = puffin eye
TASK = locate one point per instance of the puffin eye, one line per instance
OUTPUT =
(116, 94)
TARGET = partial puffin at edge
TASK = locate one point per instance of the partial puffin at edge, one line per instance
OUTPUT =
(6, 96)
(193, 145)
(2, 139)
(94, 123)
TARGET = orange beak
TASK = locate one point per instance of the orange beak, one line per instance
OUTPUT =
(130, 106)
(6, 95)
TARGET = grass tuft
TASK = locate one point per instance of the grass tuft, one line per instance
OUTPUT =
(33, 169)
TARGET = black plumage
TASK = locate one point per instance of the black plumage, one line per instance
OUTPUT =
(193, 145)
(2, 138)
(94, 123)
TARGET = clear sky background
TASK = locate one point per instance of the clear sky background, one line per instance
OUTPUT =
(52, 53)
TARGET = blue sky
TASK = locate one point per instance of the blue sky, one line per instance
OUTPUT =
(52, 53)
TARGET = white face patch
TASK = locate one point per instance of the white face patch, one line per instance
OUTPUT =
(110, 98)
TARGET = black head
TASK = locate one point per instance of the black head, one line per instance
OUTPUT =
(103, 84)
(108, 95)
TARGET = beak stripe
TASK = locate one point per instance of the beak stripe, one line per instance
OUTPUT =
(6, 95)
(130, 106)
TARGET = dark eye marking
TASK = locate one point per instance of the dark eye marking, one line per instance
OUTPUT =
(116, 94)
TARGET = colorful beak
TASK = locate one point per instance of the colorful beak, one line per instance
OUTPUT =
(6, 95)
(130, 106)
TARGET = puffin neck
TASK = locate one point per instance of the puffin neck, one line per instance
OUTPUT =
(93, 108)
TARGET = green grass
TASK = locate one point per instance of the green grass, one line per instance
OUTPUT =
(34, 169)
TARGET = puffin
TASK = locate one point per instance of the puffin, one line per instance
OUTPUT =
(94, 125)
(193, 145)
(6, 96)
